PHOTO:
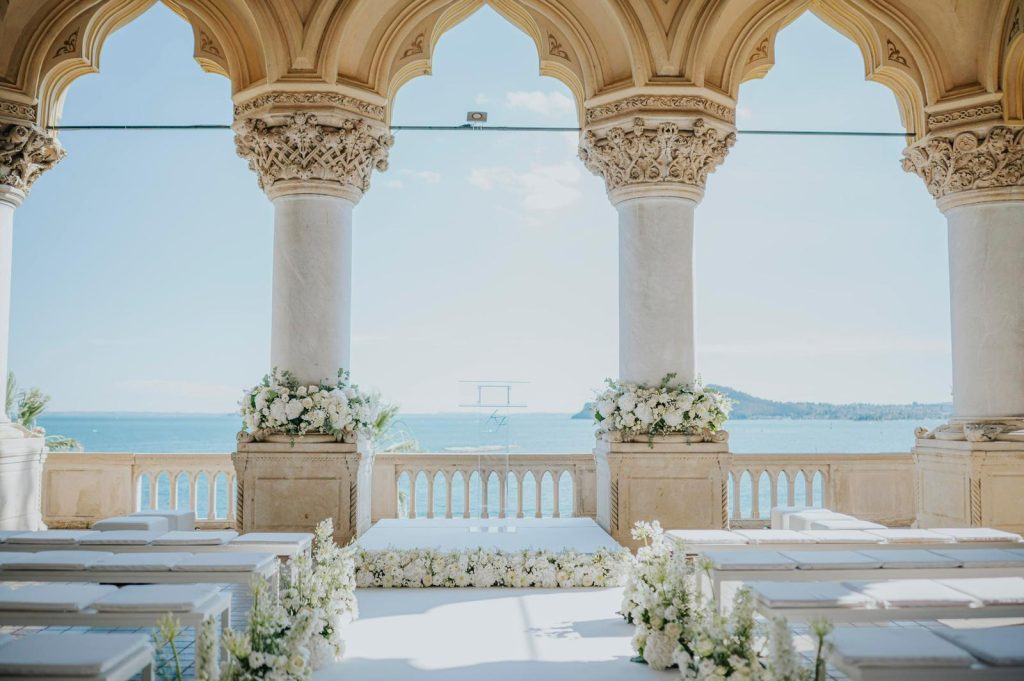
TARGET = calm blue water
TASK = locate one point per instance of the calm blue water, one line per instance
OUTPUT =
(526, 433)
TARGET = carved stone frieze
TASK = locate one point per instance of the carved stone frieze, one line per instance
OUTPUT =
(335, 99)
(972, 114)
(982, 431)
(301, 150)
(968, 161)
(676, 103)
(666, 154)
(25, 152)
(25, 112)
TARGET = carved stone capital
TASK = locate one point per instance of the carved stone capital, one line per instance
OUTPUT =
(25, 152)
(661, 159)
(970, 166)
(302, 156)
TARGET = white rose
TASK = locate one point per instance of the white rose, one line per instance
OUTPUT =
(293, 409)
(674, 418)
(644, 414)
(627, 402)
(277, 411)
(605, 408)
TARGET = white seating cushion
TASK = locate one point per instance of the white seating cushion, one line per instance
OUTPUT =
(76, 654)
(50, 537)
(52, 597)
(749, 560)
(842, 537)
(911, 558)
(831, 560)
(971, 558)
(978, 534)
(775, 537)
(803, 519)
(273, 538)
(11, 557)
(903, 535)
(176, 520)
(895, 647)
(4, 534)
(996, 646)
(225, 562)
(56, 560)
(842, 524)
(706, 537)
(807, 595)
(779, 513)
(196, 538)
(121, 538)
(128, 522)
(140, 562)
(911, 593)
(990, 590)
(157, 598)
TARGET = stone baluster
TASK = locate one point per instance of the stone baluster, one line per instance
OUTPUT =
(26, 151)
(972, 468)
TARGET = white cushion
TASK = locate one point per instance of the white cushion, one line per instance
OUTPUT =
(57, 560)
(911, 558)
(74, 655)
(11, 557)
(50, 537)
(273, 538)
(902, 535)
(992, 558)
(5, 638)
(978, 534)
(128, 522)
(706, 537)
(996, 646)
(902, 593)
(121, 538)
(842, 537)
(843, 524)
(139, 562)
(779, 514)
(990, 590)
(774, 537)
(176, 520)
(895, 647)
(225, 562)
(157, 598)
(802, 520)
(195, 538)
(749, 560)
(807, 595)
(831, 560)
(4, 534)
(53, 597)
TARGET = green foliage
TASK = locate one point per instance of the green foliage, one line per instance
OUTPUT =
(26, 406)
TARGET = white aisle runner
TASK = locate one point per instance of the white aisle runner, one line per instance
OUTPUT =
(459, 534)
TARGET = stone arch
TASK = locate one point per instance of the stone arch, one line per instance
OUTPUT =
(1011, 76)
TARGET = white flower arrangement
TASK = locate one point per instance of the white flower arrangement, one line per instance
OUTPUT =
(281, 405)
(482, 568)
(321, 588)
(667, 408)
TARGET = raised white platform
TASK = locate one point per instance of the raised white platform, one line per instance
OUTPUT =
(582, 535)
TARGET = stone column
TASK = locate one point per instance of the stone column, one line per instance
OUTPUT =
(655, 154)
(314, 154)
(971, 470)
(25, 152)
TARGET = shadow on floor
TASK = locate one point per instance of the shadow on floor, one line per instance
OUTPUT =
(619, 668)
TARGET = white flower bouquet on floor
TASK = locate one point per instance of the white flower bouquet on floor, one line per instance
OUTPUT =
(665, 409)
(281, 405)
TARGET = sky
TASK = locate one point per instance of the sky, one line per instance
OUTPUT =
(142, 262)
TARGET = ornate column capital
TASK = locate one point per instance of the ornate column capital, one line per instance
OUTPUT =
(296, 153)
(655, 158)
(970, 167)
(26, 151)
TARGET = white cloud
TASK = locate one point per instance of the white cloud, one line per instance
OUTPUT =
(428, 176)
(482, 99)
(544, 103)
(541, 188)
(395, 184)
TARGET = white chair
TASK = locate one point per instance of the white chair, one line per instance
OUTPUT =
(133, 522)
(82, 657)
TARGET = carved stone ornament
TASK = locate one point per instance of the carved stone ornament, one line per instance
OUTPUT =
(1011, 430)
(302, 151)
(297, 99)
(968, 161)
(667, 154)
(25, 152)
(676, 103)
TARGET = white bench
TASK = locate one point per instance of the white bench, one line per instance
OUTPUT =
(903, 599)
(133, 522)
(918, 654)
(286, 545)
(176, 520)
(81, 657)
(696, 542)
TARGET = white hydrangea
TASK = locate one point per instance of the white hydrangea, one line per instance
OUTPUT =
(666, 408)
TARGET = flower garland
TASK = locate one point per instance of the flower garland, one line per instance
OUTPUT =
(280, 404)
(664, 409)
(484, 568)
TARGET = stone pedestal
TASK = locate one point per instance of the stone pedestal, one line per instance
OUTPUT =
(285, 487)
(22, 455)
(679, 483)
(970, 484)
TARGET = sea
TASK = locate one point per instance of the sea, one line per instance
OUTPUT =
(488, 432)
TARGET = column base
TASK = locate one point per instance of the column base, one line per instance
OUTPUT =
(965, 483)
(285, 487)
(680, 484)
(22, 456)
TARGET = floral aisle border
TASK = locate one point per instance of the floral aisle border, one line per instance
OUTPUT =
(482, 568)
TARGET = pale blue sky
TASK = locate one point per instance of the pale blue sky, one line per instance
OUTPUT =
(143, 261)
